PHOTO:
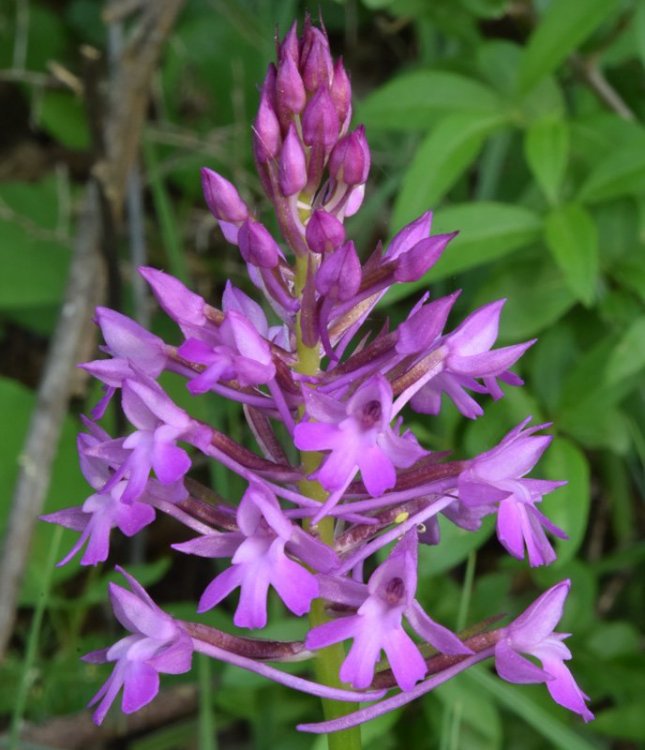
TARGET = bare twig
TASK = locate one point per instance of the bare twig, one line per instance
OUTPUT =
(593, 76)
(124, 120)
(78, 732)
(51, 405)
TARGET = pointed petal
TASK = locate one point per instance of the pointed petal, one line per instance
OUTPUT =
(441, 638)
(334, 631)
(564, 689)
(220, 587)
(512, 667)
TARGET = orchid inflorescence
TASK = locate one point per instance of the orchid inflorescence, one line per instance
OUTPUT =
(363, 482)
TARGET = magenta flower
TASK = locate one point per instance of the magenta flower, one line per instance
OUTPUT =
(158, 644)
(134, 351)
(532, 633)
(377, 624)
(160, 423)
(497, 477)
(235, 352)
(359, 436)
(259, 560)
(347, 384)
(469, 358)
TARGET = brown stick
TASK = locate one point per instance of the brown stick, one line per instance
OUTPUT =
(78, 732)
(124, 122)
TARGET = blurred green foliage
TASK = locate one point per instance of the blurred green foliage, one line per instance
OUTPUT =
(520, 125)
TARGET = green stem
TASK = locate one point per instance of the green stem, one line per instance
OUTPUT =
(328, 660)
(31, 653)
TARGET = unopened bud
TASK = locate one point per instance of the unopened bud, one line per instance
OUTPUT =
(316, 64)
(320, 121)
(293, 164)
(340, 273)
(341, 91)
(257, 246)
(349, 161)
(222, 198)
(289, 46)
(291, 96)
(324, 232)
(266, 129)
(412, 265)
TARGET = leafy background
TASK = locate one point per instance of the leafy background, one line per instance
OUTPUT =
(520, 124)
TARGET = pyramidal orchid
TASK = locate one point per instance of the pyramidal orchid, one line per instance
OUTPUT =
(309, 368)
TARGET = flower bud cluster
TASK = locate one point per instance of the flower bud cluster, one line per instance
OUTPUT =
(341, 393)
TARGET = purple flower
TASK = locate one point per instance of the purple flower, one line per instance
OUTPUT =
(532, 633)
(134, 351)
(359, 436)
(160, 423)
(377, 624)
(497, 478)
(235, 351)
(259, 560)
(104, 510)
(158, 644)
(469, 358)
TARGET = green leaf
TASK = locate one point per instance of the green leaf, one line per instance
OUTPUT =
(63, 116)
(639, 29)
(572, 237)
(34, 269)
(628, 357)
(456, 544)
(568, 506)
(621, 172)
(410, 101)
(546, 147)
(443, 156)
(623, 722)
(487, 231)
(34, 256)
(515, 699)
(478, 712)
(564, 26)
(499, 61)
(537, 297)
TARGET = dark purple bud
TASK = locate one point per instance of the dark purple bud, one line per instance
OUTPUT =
(324, 232)
(340, 273)
(257, 246)
(341, 91)
(320, 121)
(222, 198)
(293, 164)
(422, 328)
(316, 64)
(415, 262)
(266, 129)
(290, 93)
(349, 161)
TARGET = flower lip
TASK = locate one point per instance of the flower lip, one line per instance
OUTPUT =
(394, 592)
(370, 414)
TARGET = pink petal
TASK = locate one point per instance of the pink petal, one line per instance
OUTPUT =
(141, 685)
(405, 659)
(512, 667)
(220, 587)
